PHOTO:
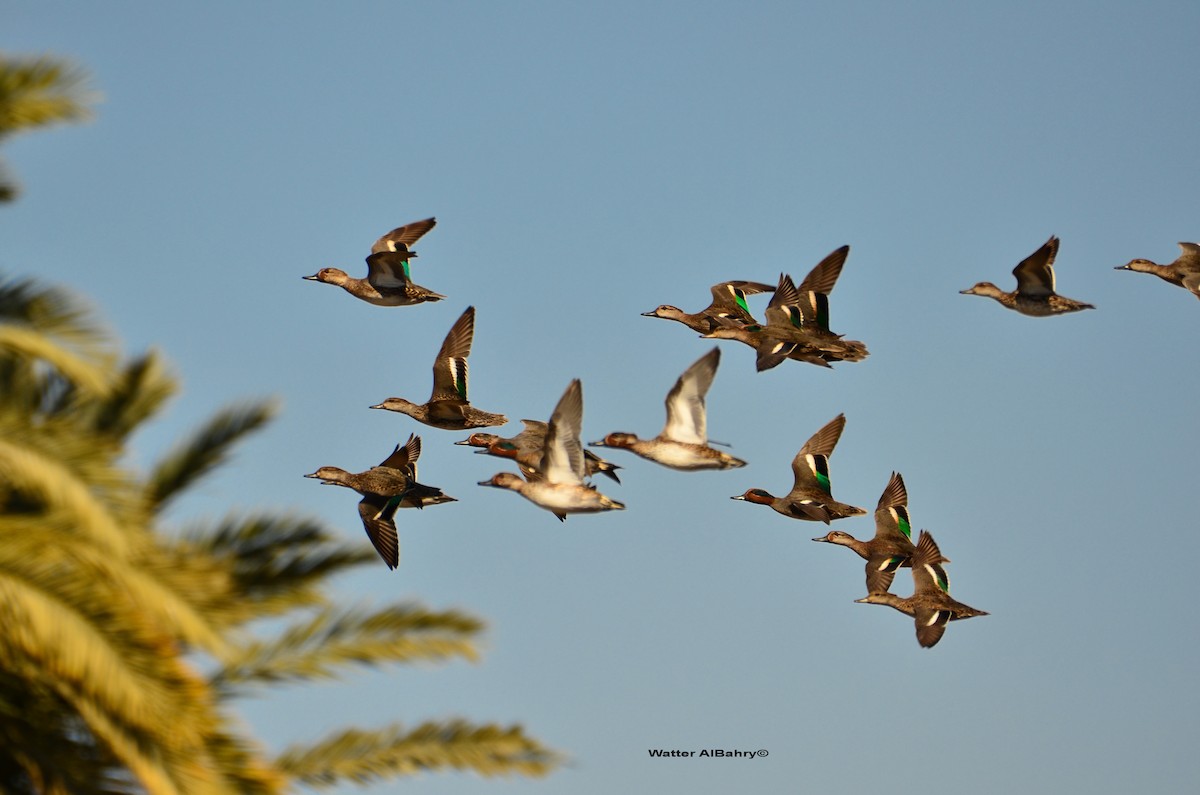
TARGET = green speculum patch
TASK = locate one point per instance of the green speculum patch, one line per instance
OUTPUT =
(823, 311)
(821, 470)
(903, 521)
(740, 297)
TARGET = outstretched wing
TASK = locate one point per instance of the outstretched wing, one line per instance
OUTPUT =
(1035, 273)
(450, 366)
(562, 456)
(400, 238)
(378, 514)
(685, 402)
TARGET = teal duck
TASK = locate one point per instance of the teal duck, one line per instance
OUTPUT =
(728, 301)
(1183, 272)
(448, 407)
(810, 497)
(892, 546)
(526, 449)
(384, 488)
(558, 484)
(1035, 294)
(389, 281)
(931, 605)
(683, 443)
(785, 336)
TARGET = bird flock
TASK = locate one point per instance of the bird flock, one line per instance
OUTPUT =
(556, 471)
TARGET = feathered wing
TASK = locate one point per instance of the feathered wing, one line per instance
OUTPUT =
(928, 575)
(729, 299)
(810, 467)
(1188, 267)
(881, 570)
(1035, 273)
(388, 270)
(562, 456)
(784, 308)
(824, 276)
(404, 458)
(450, 366)
(892, 521)
(685, 402)
(400, 238)
(378, 518)
(931, 625)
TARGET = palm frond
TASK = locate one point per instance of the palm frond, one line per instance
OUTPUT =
(206, 449)
(366, 756)
(74, 560)
(54, 312)
(42, 90)
(334, 638)
(36, 346)
(139, 391)
(100, 659)
(277, 562)
(59, 489)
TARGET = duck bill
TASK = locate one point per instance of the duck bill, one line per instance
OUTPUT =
(312, 278)
(739, 497)
(823, 538)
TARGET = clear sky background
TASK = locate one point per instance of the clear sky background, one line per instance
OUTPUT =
(587, 162)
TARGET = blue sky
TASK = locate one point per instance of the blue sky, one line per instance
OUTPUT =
(587, 163)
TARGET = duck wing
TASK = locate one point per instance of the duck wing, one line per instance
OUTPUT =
(810, 467)
(892, 521)
(685, 402)
(824, 276)
(378, 517)
(729, 299)
(1035, 273)
(562, 456)
(450, 366)
(404, 458)
(399, 239)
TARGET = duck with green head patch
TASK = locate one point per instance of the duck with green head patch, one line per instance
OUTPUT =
(810, 498)
(384, 489)
(892, 546)
(448, 407)
(388, 281)
(931, 605)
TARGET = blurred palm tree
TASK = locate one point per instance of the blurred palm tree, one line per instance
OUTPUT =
(35, 92)
(123, 645)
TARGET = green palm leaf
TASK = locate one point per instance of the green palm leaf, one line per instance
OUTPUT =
(363, 756)
(277, 562)
(318, 647)
(205, 450)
